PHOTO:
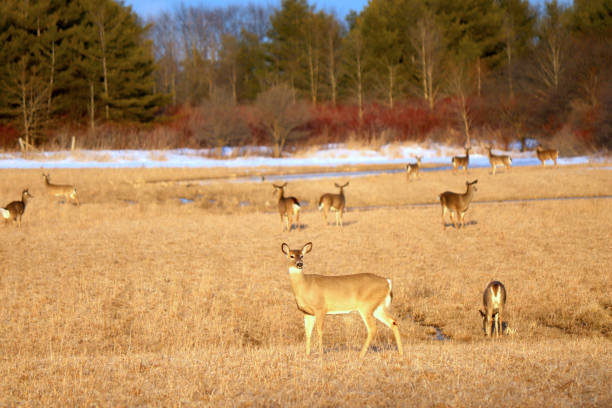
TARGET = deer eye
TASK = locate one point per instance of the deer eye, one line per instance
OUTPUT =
(292, 256)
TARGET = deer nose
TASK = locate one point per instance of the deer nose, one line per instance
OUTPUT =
(299, 264)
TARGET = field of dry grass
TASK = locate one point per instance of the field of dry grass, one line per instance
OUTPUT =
(134, 298)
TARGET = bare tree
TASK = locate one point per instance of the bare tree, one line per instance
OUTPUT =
(281, 116)
(460, 85)
(427, 42)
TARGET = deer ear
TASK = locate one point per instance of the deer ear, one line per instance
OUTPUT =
(307, 248)
(482, 313)
(285, 248)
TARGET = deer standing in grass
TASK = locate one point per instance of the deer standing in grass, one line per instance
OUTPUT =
(333, 202)
(413, 169)
(494, 300)
(459, 161)
(15, 209)
(547, 154)
(61, 190)
(319, 295)
(287, 208)
(498, 160)
(457, 203)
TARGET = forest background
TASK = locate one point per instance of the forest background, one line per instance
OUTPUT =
(459, 73)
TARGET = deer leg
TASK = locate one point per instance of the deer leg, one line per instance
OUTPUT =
(309, 322)
(297, 219)
(370, 323)
(453, 216)
(319, 323)
(381, 314)
(443, 212)
(489, 321)
(341, 214)
(324, 214)
(498, 322)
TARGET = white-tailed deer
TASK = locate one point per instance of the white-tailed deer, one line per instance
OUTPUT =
(319, 295)
(459, 161)
(547, 154)
(494, 300)
(61, 190)
(498, 160)
(333, 202)
(287, 208)
(413, 169)
(15, 209)
(457, 203)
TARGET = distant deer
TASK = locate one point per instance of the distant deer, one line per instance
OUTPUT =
(319, 295)
(547, 154)
(287, 208)
(333, 202)
(498, 160)
(456, 203)
(413, 169)
(459, 161)
(61, 190)
(15, 209)
(494, 300)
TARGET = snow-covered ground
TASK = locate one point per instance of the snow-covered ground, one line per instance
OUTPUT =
(334, 155)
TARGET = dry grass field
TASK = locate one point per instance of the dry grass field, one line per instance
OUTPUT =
(136, 299)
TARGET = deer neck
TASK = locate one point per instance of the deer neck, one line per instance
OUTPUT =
(467, 197)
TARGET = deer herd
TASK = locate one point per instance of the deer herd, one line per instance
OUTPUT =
(368, 294)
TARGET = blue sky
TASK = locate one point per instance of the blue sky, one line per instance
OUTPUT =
(149, 8)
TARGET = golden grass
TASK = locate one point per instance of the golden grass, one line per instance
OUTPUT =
(162, 303)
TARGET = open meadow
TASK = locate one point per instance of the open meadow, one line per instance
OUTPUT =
(165, 289)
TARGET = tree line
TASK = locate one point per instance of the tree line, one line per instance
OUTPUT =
(274, 73)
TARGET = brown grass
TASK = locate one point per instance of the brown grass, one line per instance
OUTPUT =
(163, 303)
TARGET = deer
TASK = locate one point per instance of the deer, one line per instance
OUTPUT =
(547, 154)
(61, 190)
(498, 160)
(413, 168)
(15, 209)
(494, 300)
(333, 202)
(319, 295)
(287, 208)
(459, 161)
(457, 203)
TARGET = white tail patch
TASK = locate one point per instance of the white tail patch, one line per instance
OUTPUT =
(5, 213)
(496, 299)
(296, 207)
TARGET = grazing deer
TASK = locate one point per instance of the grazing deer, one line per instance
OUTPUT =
(494, 300)
(498, 160)
(333, 202)
(456, 203)
(15, 209)
(61, 190)
(459, 161)
(413, 168)
(319, 295)
(547, 154)
(287, 208)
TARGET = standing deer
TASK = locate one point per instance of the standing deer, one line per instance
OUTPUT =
(456, 203)
(413, 169)
(498, 160)
(547, 154)
(319, 295)
(287, 208)
(459, 161)
(494, 300)
(61, 190)
(15, 209)
(333, 202)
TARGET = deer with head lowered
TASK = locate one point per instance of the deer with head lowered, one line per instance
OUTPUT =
(459, 161)
(457, 204)
(333, 202)
(547, 154)
(494, 300)
(15, 209)
(413, 169)
(287, 208)
(319, 295)
(61, 190)
(498, 160)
